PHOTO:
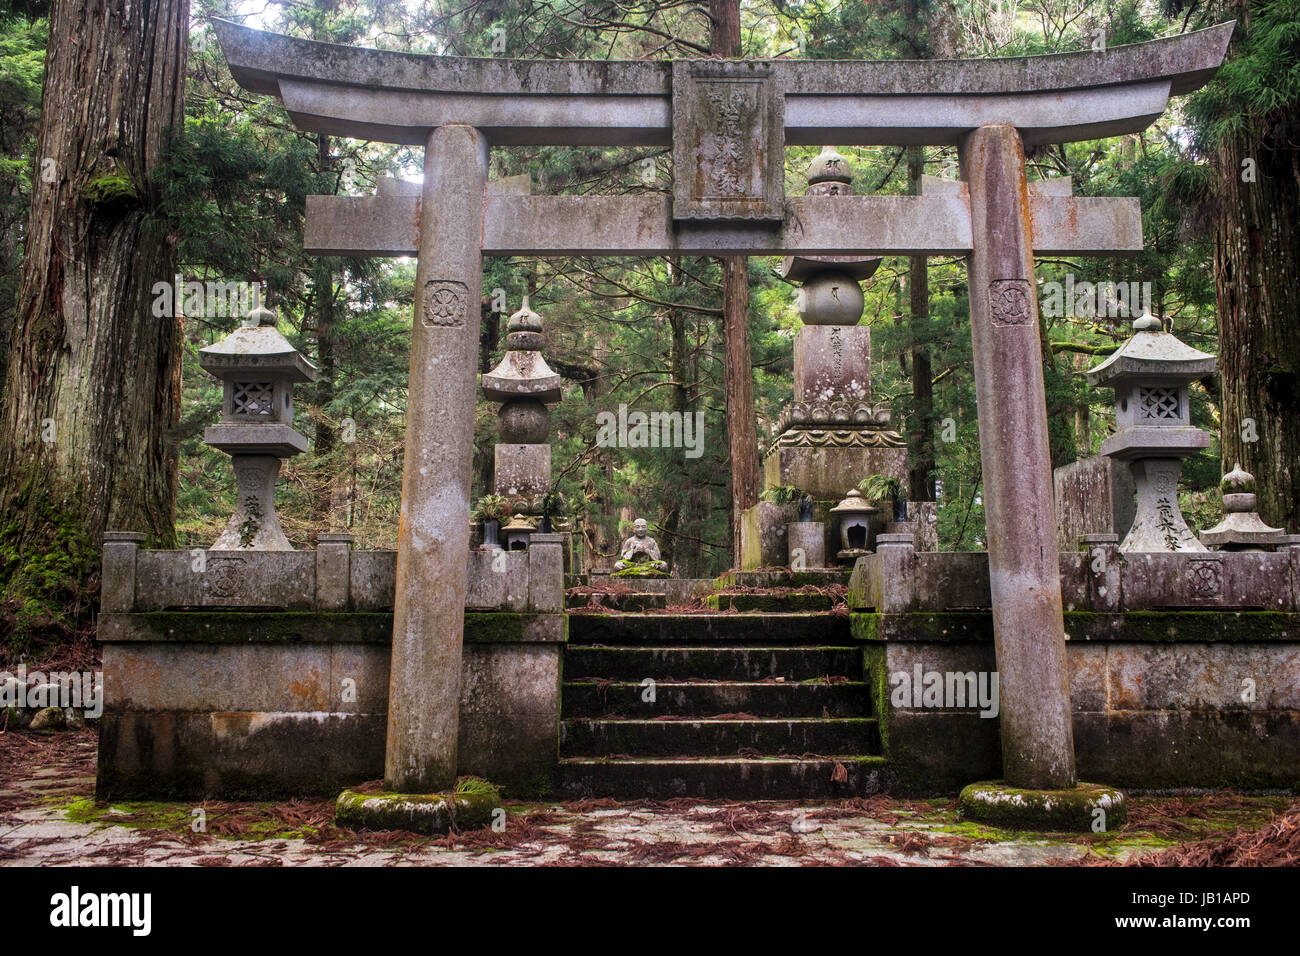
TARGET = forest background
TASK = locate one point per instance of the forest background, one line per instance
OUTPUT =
(100, 200)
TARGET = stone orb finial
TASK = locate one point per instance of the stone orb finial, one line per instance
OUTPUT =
(1238, 488)
(831, 298)
(524, 421)
(829, 166)
(525, 320)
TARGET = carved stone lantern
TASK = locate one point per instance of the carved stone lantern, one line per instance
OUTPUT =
(517, 533)
(258, 369)
(854, 514)
(1241, 528)
(1150, 373)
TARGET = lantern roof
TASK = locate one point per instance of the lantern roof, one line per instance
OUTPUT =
(854, 503)
(522, 371)
(256, 346)
(1152, 354)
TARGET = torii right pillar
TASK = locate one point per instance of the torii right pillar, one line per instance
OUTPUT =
(1024, 567)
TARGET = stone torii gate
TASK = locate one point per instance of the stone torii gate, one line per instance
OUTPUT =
(728, 122)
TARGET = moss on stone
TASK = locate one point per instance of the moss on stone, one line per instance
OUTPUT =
(1079, 809)
(1135, 626)
(417, 812)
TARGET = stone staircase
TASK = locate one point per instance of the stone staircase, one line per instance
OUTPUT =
(753, 706)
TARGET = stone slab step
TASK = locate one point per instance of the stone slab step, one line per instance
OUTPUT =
(635, 603)
(625, 699)
(763, 778)
(783, 578)
(820, 628)
(722, 738)
(793, 601)
(712, 663)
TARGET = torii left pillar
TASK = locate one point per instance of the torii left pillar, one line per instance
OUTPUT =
(433, 537)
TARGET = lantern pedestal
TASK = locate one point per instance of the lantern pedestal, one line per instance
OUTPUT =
(254, 525)
(1158, 524)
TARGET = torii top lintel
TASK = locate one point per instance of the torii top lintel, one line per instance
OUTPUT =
(397, 97)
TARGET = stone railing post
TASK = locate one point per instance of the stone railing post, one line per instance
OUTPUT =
(117, 583)
(546, 572)
(433, 536)
(1024, 567)
(897, 556)
(1101, 569)
(333, 571)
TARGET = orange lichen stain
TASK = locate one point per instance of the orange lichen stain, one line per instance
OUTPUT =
(308, 693)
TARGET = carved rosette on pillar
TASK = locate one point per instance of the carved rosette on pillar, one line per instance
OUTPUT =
(258, 369)
(524, 385)
(1150, 373)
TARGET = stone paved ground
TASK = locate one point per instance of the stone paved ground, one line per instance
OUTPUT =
(48, 817)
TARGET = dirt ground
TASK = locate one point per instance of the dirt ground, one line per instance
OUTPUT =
(49, 817)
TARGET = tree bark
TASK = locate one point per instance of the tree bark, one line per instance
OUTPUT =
(93, 382)
(1256, 258)
(921, 456)
(737, 362)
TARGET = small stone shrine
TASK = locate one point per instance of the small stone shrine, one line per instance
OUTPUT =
(258, 369)
(1150, 373)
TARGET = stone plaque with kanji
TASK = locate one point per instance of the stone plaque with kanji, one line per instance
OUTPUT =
(728, 142)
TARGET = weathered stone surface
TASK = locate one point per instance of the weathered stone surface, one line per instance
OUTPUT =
(806, 544)
(643, 225)
(333, 572)
(1080, 808)
(224, 709)
(762, 535)
(270, 579)
(389, 96)
(254, 526)
(1037, 748)
(117, 581)
(433, 536)
(522, 470)
(828, 472)
(728, 142)
(832, 361)
(1095, 495)
(417, 812)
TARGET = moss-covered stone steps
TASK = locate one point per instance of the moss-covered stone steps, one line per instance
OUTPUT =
(742, 778)
(720, 705)
(820, 698)
(585, 661)
(782, 578)
(635, 603)
(787, 602)
(774, 736)
(765, 629)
